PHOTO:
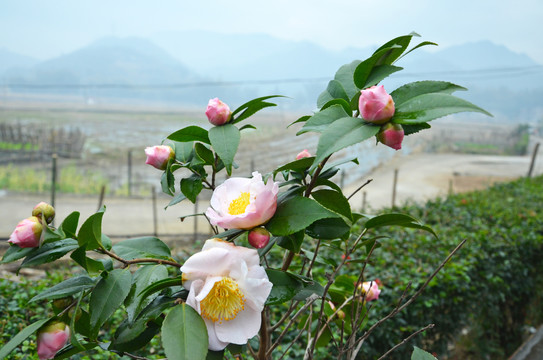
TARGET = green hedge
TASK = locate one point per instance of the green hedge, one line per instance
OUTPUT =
(483, 300)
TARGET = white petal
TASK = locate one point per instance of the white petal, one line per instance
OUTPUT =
(204, 263)
(214, 343)
(242, 328)
(208, 285)
(195, 288)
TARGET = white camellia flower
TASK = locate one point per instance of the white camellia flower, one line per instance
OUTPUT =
(242, 203)
(228, 288)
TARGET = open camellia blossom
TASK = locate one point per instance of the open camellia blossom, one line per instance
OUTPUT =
(243, 203)
(51, 339)
(371, 289)
(228, 288)
(27, 233)
(376, 105)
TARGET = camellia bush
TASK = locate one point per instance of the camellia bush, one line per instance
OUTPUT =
(284, 274)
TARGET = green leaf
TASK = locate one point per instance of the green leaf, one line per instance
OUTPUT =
(342, 102)
(417, 88)
(334, 90)
(364, 70)
(398, 45)
(424, 43)
(167, 182)
(159, 285)
(183, 151)
(204, 153)
(191, 187)
(322, 119)
(333, 201)
(333, 228)
(190, 133)
(133, 336)
(50, 252)
(142, 247)
(251, 107)
(69, 225)
(15, 252)
(419, 354)
(415, 128)
(341, 134)
(90, 234)
(108, 296)
(287, 286)
(381, 72)
(142, 278)
(215, 355)
(345, 76)
(296, 214)
(184, 334)
(66, 288)
(299, 120)
(296, 165)
(176, 199)
(70, 350)
(292, 242)
(225, 142)
(398, 220)
(90, 265)
(426, 107)
(20, 337)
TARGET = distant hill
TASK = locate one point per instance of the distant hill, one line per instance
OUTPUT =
(10, 60)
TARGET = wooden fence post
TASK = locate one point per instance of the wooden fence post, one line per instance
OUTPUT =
(129, 173)
(155, 223)
(532, 163)
(53, 181)
(395, 182)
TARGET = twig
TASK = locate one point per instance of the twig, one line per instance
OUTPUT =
(314, 257)
(264, 337)
(127, 263)
(296, 338)
(359, 188)
(429, 326)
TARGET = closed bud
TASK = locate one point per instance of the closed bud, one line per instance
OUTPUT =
(45, 210)
(303, 154)
(158, 156)
(62, 303)
(370, 290)
(259, 237)
(27, 233)
(376, 105)
(52, 338)
(217, 112)
(391, 135)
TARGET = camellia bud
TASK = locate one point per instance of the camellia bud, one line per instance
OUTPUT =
(303, 154)
(391, 135)
(376, 105)
(62, 303)
(158, 156)
(27, 233)
(52, 338)
(44, 209)
(370, 289)
(259, 237)
(218, 113)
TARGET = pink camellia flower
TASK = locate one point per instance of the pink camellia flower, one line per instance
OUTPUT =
(158, 156)
(371, 289)
(218, 113)
(44, 209)
(242, 203)
(376, 105)
(27, 233)
(391, 135)
(303, 154)
(51, 339)
(228, 288)
(259, 237)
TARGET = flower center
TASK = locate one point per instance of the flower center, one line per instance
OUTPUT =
(238, 206)
(223, 302)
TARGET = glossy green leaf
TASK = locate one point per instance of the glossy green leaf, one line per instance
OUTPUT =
(424, 43)
(251, 107)
(90, 265)
(299, 120)
(419, 354)
(296, 214)
(66, 288)
(396, 219)
(333, 201)
(184, 334)
(15, 252)
(334, 90)
(287, 286)
(142, 278)
(167, 182)
(296, 165)
(50, 252)
(70, 350)
(20, 337)
(204, 153)
(159, 285)
(409, 129)
(90, 233)
(345, 75)
(215, 355)
(133, 336)
(322, 119)
(342, 102)
(417, 88)
(427, 107)
(142, 247)
(397, 46)
(183, 151)
(333, 228)
(292, 242)
(176, 199)
(381, 72)
(225, 141)
(342, 133)
(69, 225)
(190, 133)
(364, 70)
(191, 187)
(108, 296)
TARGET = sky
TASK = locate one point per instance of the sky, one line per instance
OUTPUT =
(45, 29)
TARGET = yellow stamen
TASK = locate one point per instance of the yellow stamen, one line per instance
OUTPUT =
(238, 206)
(223, 302)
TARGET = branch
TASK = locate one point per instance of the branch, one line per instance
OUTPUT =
(127, 263)
(359, 188)
(429, 326)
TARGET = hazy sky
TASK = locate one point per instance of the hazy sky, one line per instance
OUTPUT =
(48, 28)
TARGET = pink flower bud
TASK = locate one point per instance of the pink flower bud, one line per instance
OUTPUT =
(44, 209)
(303, 154)
(371, 289)
(218, 112)
(259, 237)
(158, 156)
(376, 105)
(391, 135)
(51, 339)
(27, 233)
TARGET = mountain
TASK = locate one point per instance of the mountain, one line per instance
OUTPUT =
(10, 60)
